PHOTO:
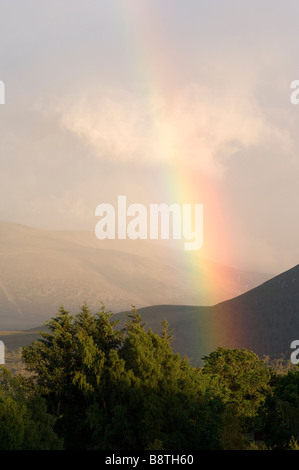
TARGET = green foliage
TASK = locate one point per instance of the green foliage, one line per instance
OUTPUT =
(281, 411)
(119, 388)
(150, 395)
(98, 386)
(243, 379)
(232, 433)
(24, 421)
(68, 363)
(293, 444)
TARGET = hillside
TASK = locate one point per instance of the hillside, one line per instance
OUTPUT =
(206, 304)
(264, 319)
(40, 270)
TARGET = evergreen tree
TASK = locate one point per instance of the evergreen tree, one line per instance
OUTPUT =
(25, 423)
(280, 414)
(243, 379)
(243, 382)
(67, 363)
(151, 395)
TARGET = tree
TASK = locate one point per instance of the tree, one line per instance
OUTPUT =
(151, 395)
(120, 388)
(25, 423)
(243, 379)
(51, 358)
(280, 414)
(67, 364)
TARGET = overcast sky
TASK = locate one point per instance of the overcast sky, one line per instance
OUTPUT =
(112, 97)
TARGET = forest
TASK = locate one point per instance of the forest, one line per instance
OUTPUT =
(91, 384)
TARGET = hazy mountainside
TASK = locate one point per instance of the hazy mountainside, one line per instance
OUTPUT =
(268, 315)
(40, 270)
(265, 320)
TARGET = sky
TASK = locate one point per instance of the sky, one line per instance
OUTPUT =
(161, 101)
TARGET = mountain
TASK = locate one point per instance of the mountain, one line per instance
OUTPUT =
(41, 269)
(265, 320)
(266, 316)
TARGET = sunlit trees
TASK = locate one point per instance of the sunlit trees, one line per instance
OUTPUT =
(244, 380)
(120, 388)
(281, 412)
(111, 385)
(25, 423)
(155, 397)
(67, 365)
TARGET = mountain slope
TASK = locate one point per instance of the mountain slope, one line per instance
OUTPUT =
(265, 320)
(40, 270)
(268, 315)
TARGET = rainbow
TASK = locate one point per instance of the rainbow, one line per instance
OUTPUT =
(183, 181)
